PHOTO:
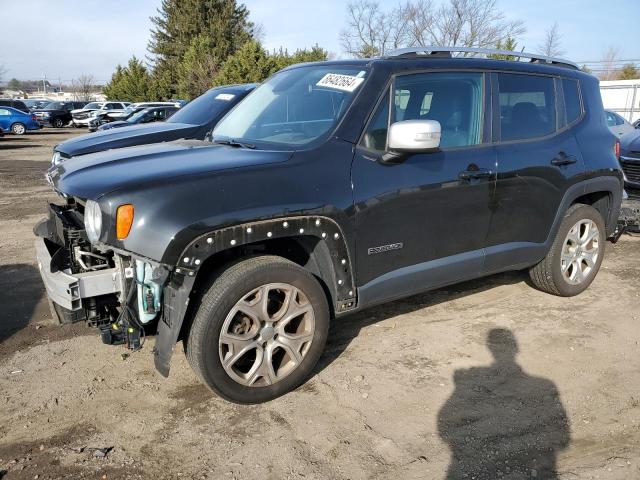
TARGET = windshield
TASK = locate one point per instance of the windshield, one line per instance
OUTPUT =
(53, 106)
(92, 105)
(294, 107)
(207, 107)
(135, 118)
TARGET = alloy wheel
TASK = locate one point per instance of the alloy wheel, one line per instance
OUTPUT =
(580, 251)
(266, 335)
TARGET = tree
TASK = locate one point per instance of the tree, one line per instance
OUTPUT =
(197, 69)
(14, 84)
(131, 83)
(551, 46)
(249, 64)
(609, 61)
(508, 44)
(585, 69)
(179, 22)
(371, 31)
(629, 72)
(83, 87)
(253, 64)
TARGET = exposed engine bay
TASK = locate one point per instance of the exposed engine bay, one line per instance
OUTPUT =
(113, 291)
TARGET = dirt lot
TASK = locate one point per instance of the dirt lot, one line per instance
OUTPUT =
(516, 383)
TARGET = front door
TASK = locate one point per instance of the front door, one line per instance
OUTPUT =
(423, 222)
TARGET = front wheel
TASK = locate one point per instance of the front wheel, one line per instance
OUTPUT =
(18, 129)
(58, 123)
(576, 254)
(259, 330)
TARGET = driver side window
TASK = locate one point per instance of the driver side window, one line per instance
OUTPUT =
(453, 99)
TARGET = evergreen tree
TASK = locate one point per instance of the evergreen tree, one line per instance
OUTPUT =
(198, 68)
(250, 64)
(131, 83)
(509, 44)
(253, 64)
(179, 22)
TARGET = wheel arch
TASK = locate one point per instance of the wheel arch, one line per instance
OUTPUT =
(315, 243)
(603, 193)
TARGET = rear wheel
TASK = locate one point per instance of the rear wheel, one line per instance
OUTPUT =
(259, 330)
(18, 129)
(576, 254)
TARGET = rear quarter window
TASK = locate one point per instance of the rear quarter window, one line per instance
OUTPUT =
(572, 103)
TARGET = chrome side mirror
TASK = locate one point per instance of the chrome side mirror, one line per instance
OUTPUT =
(414, 136)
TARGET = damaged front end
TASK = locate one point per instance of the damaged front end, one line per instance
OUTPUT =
(111, 290)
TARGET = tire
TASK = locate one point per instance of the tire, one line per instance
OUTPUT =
(58, 123)
(217, 315)
(18, 129)
(569, 267)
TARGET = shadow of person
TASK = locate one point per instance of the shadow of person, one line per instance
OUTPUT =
(502, 423)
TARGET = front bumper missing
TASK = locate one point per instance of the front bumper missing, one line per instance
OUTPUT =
(68, 290)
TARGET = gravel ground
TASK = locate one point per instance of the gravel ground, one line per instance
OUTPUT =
(488, 379)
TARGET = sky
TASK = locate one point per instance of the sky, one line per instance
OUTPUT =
(63, 39)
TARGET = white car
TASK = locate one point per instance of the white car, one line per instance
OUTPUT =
(618, 125)
(83, 117)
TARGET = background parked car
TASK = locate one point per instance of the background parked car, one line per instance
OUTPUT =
(57, 114)
(136, 107)
(617, 124)
(146, 115)
(630, 159)
(36, 103)
(193, 121)
(84, 112)
(17, 121)
(83, 119)
(13, 103)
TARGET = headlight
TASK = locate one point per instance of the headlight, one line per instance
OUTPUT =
(92, 220)
(46, 114)
(56, 159)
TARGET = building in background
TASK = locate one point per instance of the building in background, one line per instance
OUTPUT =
(622, 97)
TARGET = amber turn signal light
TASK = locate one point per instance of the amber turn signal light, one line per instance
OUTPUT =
(124, 220)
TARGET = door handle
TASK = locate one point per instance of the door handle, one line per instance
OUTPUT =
(563, 159)
(475, 174)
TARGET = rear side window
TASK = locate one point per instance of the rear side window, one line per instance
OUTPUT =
(572, 104)
(527, 106)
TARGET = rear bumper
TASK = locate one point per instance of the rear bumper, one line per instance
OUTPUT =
(68, 290)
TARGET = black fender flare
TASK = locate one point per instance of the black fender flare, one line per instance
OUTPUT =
(612, 184)
(176, 293)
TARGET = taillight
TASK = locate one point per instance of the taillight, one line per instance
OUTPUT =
(33, 117)
(616, 149)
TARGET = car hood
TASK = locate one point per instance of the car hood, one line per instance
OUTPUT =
(630, 142)
(80, 110)
(92, 176)
(125, 137)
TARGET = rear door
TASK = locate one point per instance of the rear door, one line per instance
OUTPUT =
(538, 159)
(424, 221)
(5, 119)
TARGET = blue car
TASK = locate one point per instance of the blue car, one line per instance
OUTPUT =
(15, 121)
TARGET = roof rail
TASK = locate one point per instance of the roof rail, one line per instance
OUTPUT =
(435, 51)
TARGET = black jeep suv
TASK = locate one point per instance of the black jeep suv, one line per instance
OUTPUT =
(333, 187)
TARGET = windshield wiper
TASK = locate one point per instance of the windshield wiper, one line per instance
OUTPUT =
(233, 143)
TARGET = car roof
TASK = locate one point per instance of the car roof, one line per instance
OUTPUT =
(424, 62)
(6, 107)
